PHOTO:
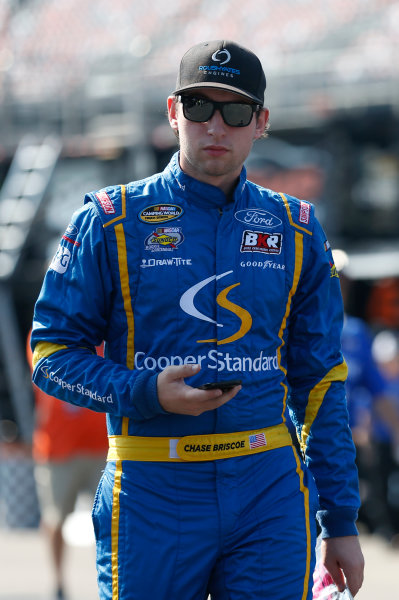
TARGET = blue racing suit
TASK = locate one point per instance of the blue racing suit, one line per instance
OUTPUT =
(168, 272)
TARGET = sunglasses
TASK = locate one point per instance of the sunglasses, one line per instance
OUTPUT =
(234, 114)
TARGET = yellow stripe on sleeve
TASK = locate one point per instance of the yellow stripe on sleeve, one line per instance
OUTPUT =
(45, 349)
(316, 397)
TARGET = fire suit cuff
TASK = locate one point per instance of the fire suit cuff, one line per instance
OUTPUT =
(338, 522)
(145, 396)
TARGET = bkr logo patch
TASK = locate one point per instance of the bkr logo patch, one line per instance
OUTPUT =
(266, 243)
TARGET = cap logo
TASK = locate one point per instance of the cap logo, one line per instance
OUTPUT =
(218, 53)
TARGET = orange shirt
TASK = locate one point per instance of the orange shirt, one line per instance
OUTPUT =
(63, 430)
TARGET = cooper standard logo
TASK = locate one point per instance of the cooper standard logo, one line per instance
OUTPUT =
(160, 213)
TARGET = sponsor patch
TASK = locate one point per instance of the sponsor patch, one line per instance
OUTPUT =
(77, 388)
(187, 304)
(61, 259)
(71, 232)
(215, 360)
(164, 239)
(304, 213)
(105, 202)
(160, 213)
(257, 217)
(262, 264)
(267, 243)
(333, 270)
(174, 261)
(327, 245)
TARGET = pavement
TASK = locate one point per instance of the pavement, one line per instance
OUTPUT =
(25, 572)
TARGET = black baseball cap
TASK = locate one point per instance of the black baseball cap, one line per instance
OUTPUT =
(222, 64)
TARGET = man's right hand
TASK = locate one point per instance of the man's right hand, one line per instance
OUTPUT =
(175, 396)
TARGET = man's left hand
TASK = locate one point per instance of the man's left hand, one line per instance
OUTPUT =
(343, 559)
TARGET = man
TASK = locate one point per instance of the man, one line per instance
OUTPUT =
(195, 276)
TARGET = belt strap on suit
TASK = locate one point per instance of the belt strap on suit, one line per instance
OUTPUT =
(198, 447)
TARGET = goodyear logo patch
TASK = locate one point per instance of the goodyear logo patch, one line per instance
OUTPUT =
(160, 213)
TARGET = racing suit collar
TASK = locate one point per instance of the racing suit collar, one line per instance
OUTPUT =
(198, 192)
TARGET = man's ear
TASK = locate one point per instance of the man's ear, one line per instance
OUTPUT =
(261, 122)
(172, 113)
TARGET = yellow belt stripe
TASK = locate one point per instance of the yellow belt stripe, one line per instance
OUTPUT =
(196, 447)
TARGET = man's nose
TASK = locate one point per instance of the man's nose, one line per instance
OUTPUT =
(216, 122)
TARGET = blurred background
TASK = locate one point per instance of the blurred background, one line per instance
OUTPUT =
(83, 89)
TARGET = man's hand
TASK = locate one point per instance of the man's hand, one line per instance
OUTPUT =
(343, 559)
(175, 396)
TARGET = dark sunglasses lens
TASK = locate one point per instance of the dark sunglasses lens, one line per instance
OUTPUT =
(237, 115)
(197, 109)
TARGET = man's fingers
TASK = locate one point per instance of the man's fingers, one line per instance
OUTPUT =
(354, 580)
(211, 399)
(343, 558)
(176, 372)
(177, 396)
(338, 577)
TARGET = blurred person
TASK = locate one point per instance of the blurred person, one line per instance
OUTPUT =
(69, 450)
(385, 350)
(383, 304)
(372, 412)
(196, 276)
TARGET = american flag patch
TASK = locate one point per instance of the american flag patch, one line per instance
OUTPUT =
(256, 440)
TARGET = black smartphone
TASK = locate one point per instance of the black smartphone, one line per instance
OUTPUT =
(220, 385)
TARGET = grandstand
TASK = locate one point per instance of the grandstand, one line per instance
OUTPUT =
(82, 104)
(85, 69)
